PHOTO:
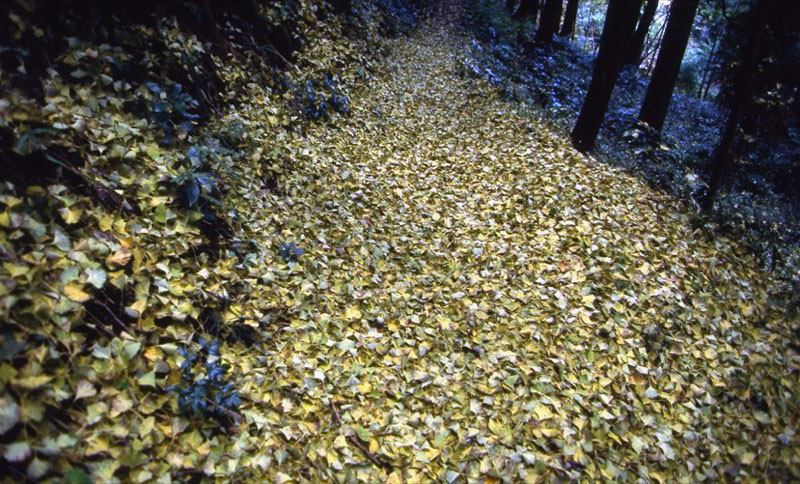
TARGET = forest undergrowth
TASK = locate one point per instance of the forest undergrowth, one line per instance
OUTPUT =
(430, 285)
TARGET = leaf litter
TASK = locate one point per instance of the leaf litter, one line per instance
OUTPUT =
(442, 289)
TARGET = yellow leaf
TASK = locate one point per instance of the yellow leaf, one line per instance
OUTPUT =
(69, 215)
(31, 382)
(85, 389)
(395, 477)
(352, 313)
(549, 432)
(340, 442)
(137, 307)
(120, 257)
(75, 292)
(542, 411)
(15, 269)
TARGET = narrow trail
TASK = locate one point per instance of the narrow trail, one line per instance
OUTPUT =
(480, 301)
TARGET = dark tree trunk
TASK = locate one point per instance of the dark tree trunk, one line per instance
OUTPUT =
(613, 42)
(527, 8)
(548, 25)
(721, 161)
(510, 5)
(570, 15)
(668, 64)
(634, 55)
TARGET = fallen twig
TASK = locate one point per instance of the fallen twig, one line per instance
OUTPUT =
(354, 440)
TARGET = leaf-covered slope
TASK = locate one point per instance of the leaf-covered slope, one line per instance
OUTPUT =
(474, 300)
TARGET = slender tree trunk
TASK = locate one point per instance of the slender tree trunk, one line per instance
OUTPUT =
(527, 8)
(722, 160)
(651, 50)
(707, 69)
(570, 15)
(634, 55)
(606, 68)
(659, 91)
(548, 24)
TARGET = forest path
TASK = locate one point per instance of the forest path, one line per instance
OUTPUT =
(489, 302)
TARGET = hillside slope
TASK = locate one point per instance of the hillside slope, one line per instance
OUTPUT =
(426, 285)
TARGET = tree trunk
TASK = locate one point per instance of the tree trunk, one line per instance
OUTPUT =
(606, 68)
(707, 69)
(721, 161)
(634, 55)
(548, 25)
(570, 15)
(668, 64)
(527, 8)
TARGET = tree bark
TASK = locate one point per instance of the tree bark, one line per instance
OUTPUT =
(527, 8)
(722, 160)
(668, 64)
(570, 15)
(606, 68)
(548, 24)
(634, 55)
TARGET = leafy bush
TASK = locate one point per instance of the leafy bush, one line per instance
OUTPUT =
(196, 186)
(204, 390)
(316, 100)
(172, 111)
(290, 251)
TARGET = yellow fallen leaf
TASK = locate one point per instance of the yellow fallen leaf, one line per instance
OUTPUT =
(395, 477)
(70, 216)
(75, 292)
(120, 257)
(340, 442)
(549, 432)
(352, 313)
(542, 411)
(31, 382)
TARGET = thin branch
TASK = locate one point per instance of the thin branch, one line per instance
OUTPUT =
(354, 440)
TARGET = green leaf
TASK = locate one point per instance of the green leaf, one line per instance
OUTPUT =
(96, 277)
(161, 213)
(77, 476)
(362, 433)
(148, 379)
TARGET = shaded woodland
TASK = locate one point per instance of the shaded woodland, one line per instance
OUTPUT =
(714, 90)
